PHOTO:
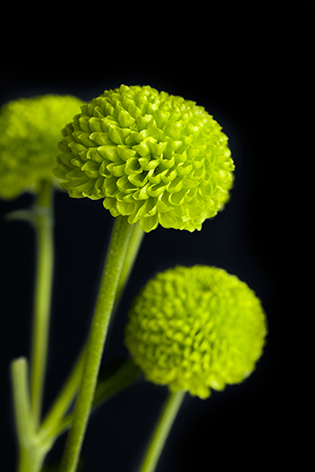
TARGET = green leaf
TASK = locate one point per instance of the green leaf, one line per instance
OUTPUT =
(114, 377)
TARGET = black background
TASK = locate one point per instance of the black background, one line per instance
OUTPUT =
(248, 63)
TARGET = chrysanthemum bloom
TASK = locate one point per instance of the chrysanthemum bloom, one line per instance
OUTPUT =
(195, 329)
(30, 129)
(151, 156)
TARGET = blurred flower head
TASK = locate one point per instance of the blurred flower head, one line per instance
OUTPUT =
(30, 129)
(196, 328)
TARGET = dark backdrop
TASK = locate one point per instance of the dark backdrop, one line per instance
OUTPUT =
(235, 58)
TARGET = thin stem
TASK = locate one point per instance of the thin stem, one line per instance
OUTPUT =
(131, 254)
(161, 431)
(43, 221)
(104, 305)
(32, 449)
(53, 420)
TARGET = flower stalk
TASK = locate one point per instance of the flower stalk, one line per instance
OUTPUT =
(43, 222)
(161, 432)
(32, 447)
(115, 258)
(53, 420)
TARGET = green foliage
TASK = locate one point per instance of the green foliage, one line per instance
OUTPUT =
(152, 156)
(30, 129)
(196, 328)
(114, 377)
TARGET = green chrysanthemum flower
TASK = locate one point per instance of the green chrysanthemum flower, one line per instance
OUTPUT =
(195, 329)
(152, 156)
(30, 129)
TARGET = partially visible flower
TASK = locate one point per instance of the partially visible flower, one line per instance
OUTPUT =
(154, 157)
(30, 129)
(196, 328)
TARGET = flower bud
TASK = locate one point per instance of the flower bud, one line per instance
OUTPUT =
(196, 328)
(30, 129)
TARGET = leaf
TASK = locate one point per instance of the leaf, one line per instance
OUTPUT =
(114, 377)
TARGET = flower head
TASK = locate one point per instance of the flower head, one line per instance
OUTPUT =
(196, 328)
(151, 156)
(30, 129)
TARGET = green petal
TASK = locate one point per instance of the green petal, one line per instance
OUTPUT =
(149, 224)
(109, 152)
(125, 208)
(100, 138)
(125, 119)
(118, 135)
(118, 170)
(91, 169)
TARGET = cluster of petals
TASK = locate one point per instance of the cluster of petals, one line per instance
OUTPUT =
(196, 328)
(30, 129)
(153, 157)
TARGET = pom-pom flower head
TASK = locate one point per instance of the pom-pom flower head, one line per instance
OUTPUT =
(30, 129)
(151, 156)
(195, 329)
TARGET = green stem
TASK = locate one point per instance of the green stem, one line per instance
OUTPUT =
(43, 221)
(131, 254)
(161, 432)
(32, 448)
(104, 305)
(53, 421)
